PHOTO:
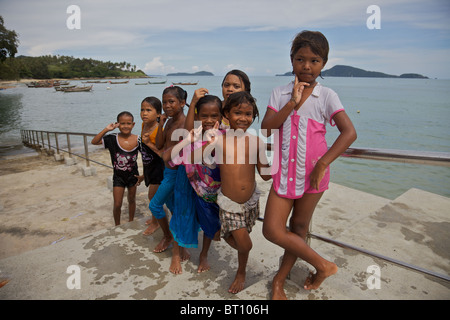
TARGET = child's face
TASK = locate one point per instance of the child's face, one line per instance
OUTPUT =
(209, 114)
(307, 65)
(240, 116)
(126, 124)
(171, 105)
(148, 113)
(232, 84)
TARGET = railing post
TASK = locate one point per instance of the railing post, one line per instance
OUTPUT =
(69, 161)
(68, 145)
(86, 151)
(48, 140)
(56, 141)
(36, 146)
(57, 156)
(87, 171)
(42, 139)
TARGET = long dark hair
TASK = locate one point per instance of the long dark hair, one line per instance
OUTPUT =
(154, 102)
(315, 40)
(178, 92)
(241, 75)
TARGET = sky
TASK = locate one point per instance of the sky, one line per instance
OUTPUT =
(166, 36)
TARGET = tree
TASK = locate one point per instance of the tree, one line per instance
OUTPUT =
(8, 42)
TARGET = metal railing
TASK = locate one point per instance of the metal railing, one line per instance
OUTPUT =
(35, 139)
(31, 138)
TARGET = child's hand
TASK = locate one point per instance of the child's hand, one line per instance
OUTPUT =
(317, 175)
(146, 138)
(112, 126)
(195, 134)
(210, 134)
(199, 93)
(140, 179)
(297, 91)
(162, 119)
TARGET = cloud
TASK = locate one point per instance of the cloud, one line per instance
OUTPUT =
(254, 35)
(156, 66)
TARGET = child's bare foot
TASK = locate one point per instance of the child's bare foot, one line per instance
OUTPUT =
(148, 221)
(238, 283)
(278, 289)
(314, 280)
(184, 254)
(152, 227)
(203, 264)
(175, 265)
(163, 244)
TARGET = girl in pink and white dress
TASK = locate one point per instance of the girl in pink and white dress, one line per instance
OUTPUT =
(300, 111)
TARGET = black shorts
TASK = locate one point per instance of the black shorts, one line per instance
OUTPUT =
(154, 173)
(124, 180)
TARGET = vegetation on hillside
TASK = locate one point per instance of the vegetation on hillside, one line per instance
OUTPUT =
(47, 67)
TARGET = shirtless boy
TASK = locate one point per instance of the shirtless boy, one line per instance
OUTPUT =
(238, 153)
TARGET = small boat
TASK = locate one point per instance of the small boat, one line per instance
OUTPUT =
(118, 82)
(40, 84)
(185, 83)
(157, 82)
(62, 88)
(95, 81)
(77, 89)
(141, 84)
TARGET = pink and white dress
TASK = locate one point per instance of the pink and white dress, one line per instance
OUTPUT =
(301, 140)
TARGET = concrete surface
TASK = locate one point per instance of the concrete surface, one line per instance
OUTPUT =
(118, 262)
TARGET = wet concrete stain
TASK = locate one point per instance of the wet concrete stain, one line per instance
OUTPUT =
(434, 235)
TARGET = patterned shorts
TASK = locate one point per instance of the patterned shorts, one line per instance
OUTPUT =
(231, 221)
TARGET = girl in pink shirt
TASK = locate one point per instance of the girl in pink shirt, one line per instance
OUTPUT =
(300, 112)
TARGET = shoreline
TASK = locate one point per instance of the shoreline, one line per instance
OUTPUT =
(4, 83)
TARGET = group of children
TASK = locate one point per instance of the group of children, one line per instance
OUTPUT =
(205, 175)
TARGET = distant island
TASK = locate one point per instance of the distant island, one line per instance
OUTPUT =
(200, 73)
(347, 71)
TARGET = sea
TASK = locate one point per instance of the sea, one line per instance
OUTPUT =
(388, 113)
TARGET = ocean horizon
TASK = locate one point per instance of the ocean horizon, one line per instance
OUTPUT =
(388, 113)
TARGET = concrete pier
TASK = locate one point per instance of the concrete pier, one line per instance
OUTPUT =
(119, 262)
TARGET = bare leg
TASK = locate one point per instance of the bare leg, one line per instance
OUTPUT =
(131, 202)
(277, 211)
(175, 265)
(118, 198)
(152, 223)
(203, 258)
(167, 237)
(299, 224)
(240, 240)
(184, 254)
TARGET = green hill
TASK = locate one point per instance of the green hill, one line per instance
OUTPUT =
(48, 67)
(347, 71)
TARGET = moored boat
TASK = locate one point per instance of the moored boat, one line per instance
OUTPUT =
(157, 82)
(77, 89)
(118, 82)
(185, 83)
(62, 88)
